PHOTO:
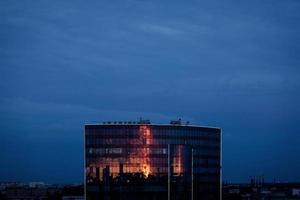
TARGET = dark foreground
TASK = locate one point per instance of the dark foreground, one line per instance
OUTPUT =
(266, 191)
(41, 191)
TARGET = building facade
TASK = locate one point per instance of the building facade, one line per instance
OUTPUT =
(140, 160)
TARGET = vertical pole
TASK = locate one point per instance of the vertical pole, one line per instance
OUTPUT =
(169, 173)
(84, 162)
(221, 163)
(192, 196)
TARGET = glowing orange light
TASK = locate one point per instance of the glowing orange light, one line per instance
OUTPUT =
(146, 170)
(138, 160)
(178, 167)
(146, 140)
(180, 159)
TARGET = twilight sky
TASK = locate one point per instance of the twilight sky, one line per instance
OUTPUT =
(230, 64)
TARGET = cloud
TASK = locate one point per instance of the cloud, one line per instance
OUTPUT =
(233, 65)
(161, 29)
(33, 115)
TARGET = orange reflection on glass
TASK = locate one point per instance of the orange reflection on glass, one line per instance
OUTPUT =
(145, 135)
(178, 161)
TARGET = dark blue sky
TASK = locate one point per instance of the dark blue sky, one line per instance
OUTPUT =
(231, 64)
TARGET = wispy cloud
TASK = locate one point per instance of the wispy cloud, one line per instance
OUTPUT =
(24, 110)
(161, 29)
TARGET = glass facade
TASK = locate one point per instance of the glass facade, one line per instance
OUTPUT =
(147, 161)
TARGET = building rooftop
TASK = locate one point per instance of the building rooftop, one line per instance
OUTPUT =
(178, 122)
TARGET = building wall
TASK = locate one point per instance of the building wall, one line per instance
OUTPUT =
(152, 162)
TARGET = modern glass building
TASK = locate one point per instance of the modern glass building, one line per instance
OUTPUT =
(140, 160)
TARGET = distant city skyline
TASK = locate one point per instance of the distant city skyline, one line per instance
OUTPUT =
(233, 65)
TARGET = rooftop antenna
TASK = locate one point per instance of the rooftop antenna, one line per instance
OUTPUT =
(176, 122)
(144, 121)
